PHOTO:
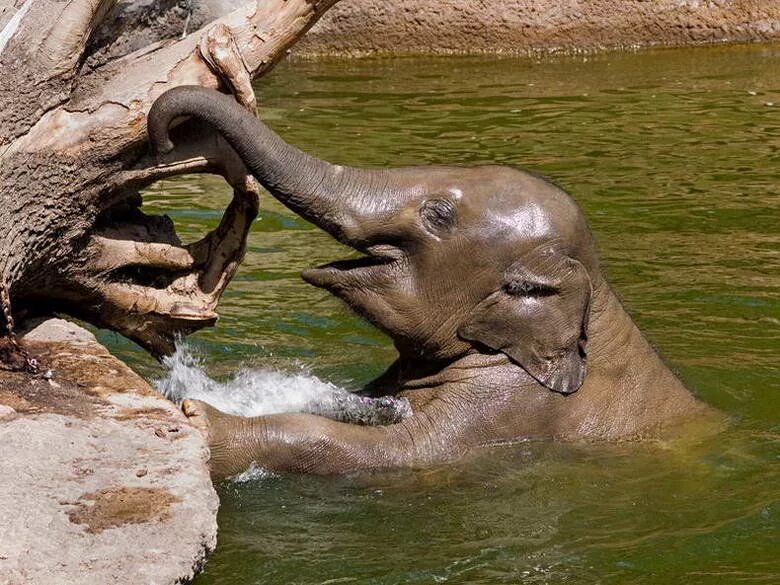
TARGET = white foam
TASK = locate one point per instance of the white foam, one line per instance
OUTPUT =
(258, 392)
(252, 473)
(251, 392)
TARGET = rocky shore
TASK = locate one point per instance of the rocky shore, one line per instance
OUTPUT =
(102, 480)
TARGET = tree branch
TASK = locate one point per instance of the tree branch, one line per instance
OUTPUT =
(189, 279)
(41, 47)
(73, 156)
(198, 149)
(119, 94)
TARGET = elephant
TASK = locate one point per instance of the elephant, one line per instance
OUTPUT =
(487, 281)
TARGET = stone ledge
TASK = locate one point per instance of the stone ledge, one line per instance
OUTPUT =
(101, 479)
(366, 27)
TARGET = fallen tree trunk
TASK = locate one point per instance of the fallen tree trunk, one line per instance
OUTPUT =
(74, 157)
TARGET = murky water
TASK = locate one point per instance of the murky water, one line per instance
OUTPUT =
(675, 156)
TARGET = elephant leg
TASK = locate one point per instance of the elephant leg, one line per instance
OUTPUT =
(363, 410)
(306, 443)
(385, 385)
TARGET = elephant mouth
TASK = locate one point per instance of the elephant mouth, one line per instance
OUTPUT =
(376, 262)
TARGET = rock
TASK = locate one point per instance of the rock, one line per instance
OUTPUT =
(89, 493)
(7, 413)
(358, 27)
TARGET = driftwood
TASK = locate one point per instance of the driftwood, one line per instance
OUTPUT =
(74, 157)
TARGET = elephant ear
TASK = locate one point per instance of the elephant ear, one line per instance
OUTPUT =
(540, 322)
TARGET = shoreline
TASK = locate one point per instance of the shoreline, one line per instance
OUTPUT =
(102, 478)
(359, 28)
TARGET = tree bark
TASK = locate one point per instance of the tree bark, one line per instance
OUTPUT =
(73, 158)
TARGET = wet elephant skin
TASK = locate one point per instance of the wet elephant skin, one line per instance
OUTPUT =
(487, 280)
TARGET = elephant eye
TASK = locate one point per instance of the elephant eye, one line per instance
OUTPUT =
(439, 215)
(526, 288)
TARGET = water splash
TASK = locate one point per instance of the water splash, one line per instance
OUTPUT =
(257, 392)
(253, 473)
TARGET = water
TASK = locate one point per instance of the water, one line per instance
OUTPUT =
(251, 392)
(262, 391)
(675, 157)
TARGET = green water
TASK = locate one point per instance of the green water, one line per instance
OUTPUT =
(675, 157)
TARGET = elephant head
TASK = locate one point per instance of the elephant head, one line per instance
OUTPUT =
(454, 260)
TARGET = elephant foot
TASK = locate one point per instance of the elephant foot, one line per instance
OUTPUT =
(212, 423)
(229, 437)
(197, 413)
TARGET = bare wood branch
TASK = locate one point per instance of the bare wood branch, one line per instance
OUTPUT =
(218, 48)
(135, 24)
(198, 149)
(199, 274)
(11, 14)
(118, 253)
(118, 95)
(73, 157)
(41, 46)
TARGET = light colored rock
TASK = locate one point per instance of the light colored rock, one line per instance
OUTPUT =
(101, 479)
(59, 330)
(359, 27)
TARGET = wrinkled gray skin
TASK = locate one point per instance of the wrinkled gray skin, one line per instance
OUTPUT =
(488, 282)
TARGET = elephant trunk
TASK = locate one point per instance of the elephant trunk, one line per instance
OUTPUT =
(330, 196)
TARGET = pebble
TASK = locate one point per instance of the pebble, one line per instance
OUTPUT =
(7, 413)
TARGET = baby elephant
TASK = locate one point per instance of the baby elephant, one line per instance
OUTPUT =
(488, 282)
